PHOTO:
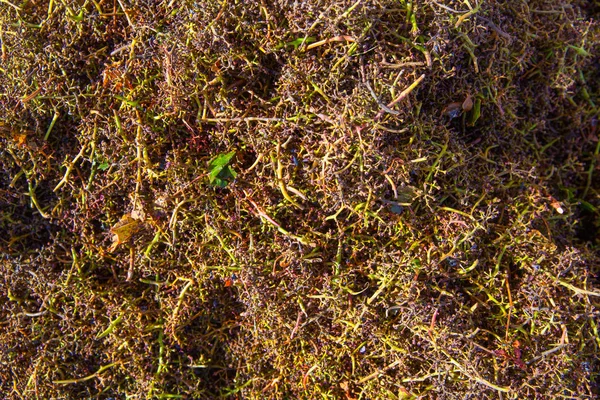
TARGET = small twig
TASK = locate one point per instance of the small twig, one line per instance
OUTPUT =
(281, 182)
(126, 14)
(474, 376)
(383, 107)
(578, 290)
(187, 185)
(385, 64)
(297, 325)
(34, 200)
(189, 283)
(245, 119)
(510, 303)
(86, 378)
(379, 102)
(445, 7)
(404, 93)
(407, 91)
(52, 123)
(32, 95)
(330, 40)
(572, 287)
(432, 324)
(296, 192)
(379, 371)
(11, 4)
(262, 213)
(552, 11)
(547, 353)
(173, 219)
(258, 158)
(131, 264)
(466, 15)
(34, 315)
(138, 158)
(495, 28)
(37, 91)
(70, 167)
(120, 49)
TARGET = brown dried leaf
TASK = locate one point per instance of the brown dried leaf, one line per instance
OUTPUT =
(20, 139)
(123, 230)
(467, 105)
(452, 110)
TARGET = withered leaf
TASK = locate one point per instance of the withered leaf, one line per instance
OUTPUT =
(452, 110)
(467, 105)
(20, 139)
(123, 230)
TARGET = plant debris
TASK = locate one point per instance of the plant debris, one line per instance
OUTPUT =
(353, 199)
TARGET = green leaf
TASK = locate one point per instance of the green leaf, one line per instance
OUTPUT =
(214, 173)
(104, 166)
(220, 173)
(219, 182)
(221, 160)
(475, 112)
(588, 206)
(228, 172)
